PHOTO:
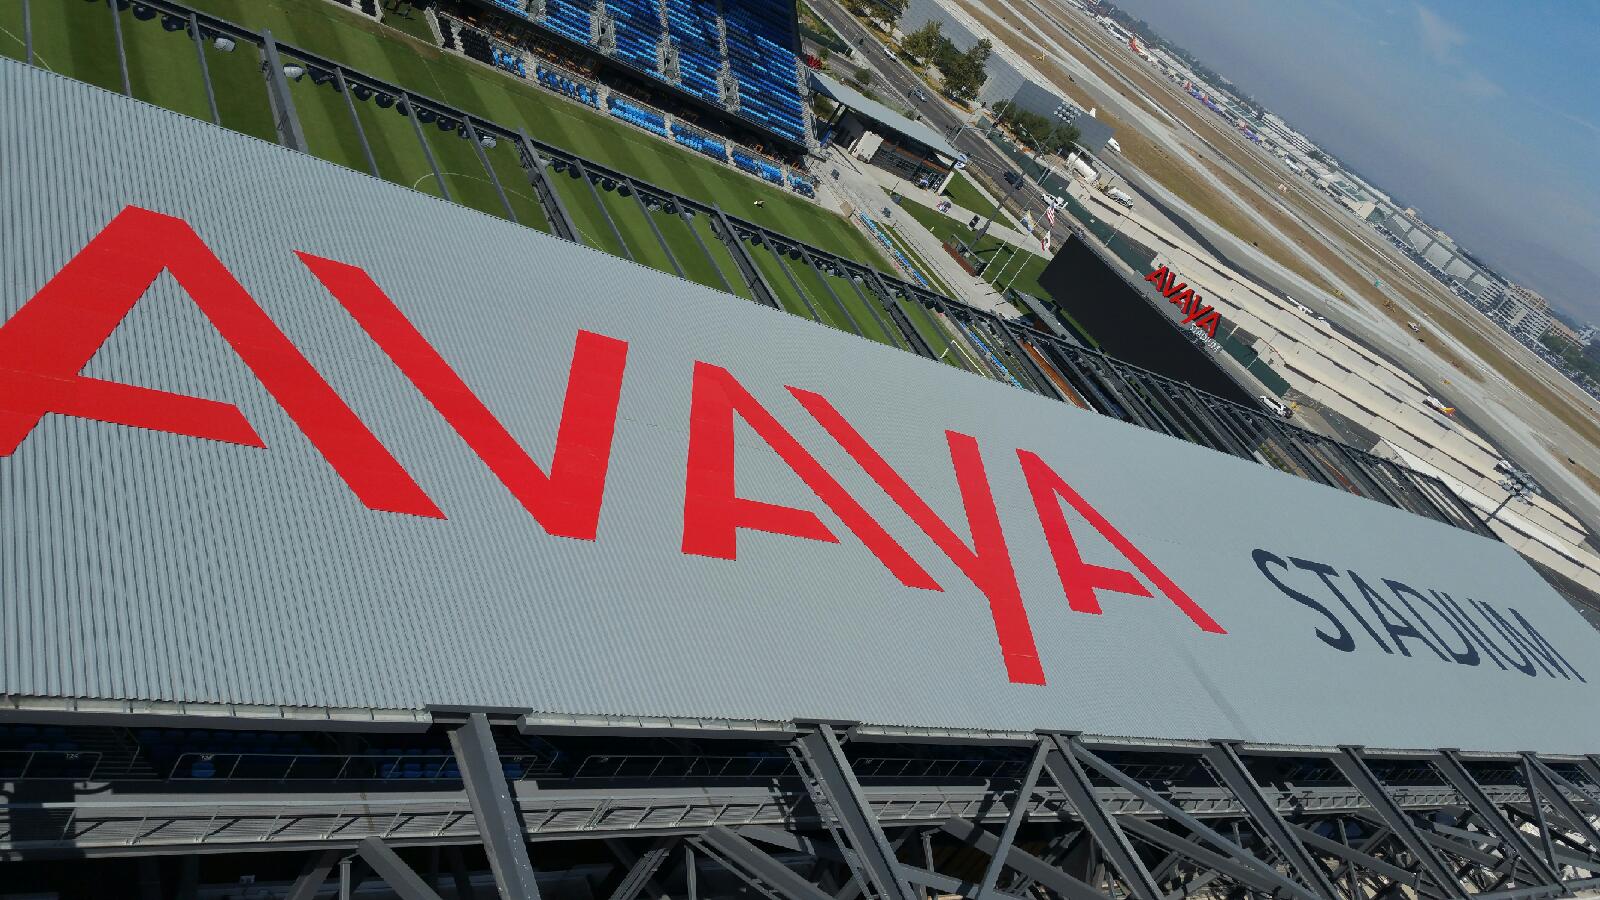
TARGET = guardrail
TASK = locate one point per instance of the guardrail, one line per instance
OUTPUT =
(37, 765)
(337, 767)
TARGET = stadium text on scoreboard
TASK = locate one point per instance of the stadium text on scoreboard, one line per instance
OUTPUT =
(48, 342)
(1195, 312)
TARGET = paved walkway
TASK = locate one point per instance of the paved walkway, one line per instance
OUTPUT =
(860, 188)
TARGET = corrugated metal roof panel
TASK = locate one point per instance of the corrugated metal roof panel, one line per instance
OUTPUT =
(143, 565)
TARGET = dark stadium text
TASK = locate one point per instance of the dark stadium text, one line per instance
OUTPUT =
(1467, 632)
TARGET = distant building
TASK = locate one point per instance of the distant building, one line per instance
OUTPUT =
(1564, 331)
(1587, 335)
(1524, 313)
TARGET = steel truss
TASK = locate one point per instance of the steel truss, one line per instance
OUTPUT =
(1109, 386)
(1058, 817)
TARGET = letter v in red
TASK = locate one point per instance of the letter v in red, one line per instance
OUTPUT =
(987, 562)
(566, 503)
(713, 514)
(1081, 580)
(46, 344)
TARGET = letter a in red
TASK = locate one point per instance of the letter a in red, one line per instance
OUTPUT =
(987, 562)
(1081, 580)
(713, 513)
(46, 344)
(566, 503)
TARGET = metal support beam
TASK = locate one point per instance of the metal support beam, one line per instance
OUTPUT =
(605, 211)
(1231, 849)
(1019, 812)
(1554, 787)
(555, 209)
(1455, 771)
(1357, 858)
(823, 278)
(355, 119)
(740, 853)
(200, 55)
(644, 869)
(748, 270)
(27, 32)
(1074, 782)
(831, 770)
(1069, 887)
(313, 875)
(488, 169)
(1356, 771)
(284, 117)
(122, 50)
(422, 141)
(393, 870)
(1235, 775)
(499, 823)
(687, 216)
(1248, 876)
(799, 291)
(656, 230)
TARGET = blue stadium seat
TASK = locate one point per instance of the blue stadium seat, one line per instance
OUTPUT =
(649, 120)
(692, 27)
(638, 28)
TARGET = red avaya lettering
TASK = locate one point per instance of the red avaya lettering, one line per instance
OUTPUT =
(713, 515)
(46, 344)
(1158, 277)
(1184, 299)
(1080, 580)
(987, 562)
(1195, 313)
(566, 502)
(1209, 323)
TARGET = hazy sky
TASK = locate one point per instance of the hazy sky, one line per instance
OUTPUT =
(1482, 114)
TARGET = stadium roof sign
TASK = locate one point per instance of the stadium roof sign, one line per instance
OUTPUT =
(277, 433)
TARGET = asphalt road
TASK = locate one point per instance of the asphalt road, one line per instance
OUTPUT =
(902, 83)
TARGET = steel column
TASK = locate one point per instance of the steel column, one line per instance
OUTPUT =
(1360, 775)
(1019, 812)
(284, 117)
(1029, 865)
(555, 209)
(122, 50)
(742, 854)
(687, 218)
(654, 229)
(644, 869)
(605, 211)
(200, 54)
(355, 119)
(499, 823)
(1232, 849)
(313, 875)
(1235, 775)
(825, 758)
(1455, 771)
(742, 260)
(422, 141)
(393, 870)
(794, 283)
(1108, 834)
(1553, 785)
(488, 169)
(823, 277)
(27, 31)
(1357, 857)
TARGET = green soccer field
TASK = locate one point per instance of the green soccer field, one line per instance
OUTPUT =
(78, 39)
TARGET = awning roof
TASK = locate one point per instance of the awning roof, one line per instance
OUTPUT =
(883, 115)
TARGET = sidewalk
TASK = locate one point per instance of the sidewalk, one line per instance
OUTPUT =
(889, 182)
(859, 187)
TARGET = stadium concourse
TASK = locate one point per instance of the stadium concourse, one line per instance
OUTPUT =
(286, 609)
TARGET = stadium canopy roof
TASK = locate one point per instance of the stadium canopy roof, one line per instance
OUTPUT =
(869, 108)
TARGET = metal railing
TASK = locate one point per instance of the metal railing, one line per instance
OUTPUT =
(721, 768)
(339, 767)
(38, 765)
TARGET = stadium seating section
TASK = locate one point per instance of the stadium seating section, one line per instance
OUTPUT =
(649, 120)
(510, 62)
(700, 143)
(561, 84)
(760, 40)
(758, 167)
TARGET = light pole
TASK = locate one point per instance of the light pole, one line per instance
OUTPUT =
(1517, 486)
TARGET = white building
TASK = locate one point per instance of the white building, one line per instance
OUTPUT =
(1524, 313)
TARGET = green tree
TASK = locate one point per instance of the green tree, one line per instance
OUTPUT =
(964, 73)
(925, 42)
(862, 78)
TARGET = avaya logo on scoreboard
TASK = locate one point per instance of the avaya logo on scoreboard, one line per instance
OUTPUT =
(45, 345)
(1195, 312)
